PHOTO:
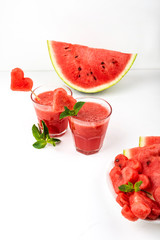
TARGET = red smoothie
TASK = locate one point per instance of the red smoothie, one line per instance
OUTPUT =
(50, 117)
(48, 107)
(90, 125)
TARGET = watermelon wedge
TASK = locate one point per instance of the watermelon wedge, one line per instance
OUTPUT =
(131, 152)
(149, 140)
(88, 69)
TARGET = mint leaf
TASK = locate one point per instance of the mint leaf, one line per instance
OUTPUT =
(73, 112)
(137, 185)
(40, 144)
(126, 188)
(36, 132)
(53, 141)
(130, 185)
(66, 113)
(45, 130)
(78, 106)
(130, 188)
(43, 138)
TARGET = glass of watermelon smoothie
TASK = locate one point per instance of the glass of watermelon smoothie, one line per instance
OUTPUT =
(90, 125)
(50, 105)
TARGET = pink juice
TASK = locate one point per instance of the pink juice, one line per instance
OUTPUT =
(48, 111)
(51, 118)
(90, 125)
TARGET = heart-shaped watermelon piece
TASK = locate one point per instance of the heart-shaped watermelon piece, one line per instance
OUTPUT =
(19, 82)
(61, 99)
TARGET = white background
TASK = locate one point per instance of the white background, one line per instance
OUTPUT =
(128, 26)
(58, 193)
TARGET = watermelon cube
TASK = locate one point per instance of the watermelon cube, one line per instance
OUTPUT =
(139, 206)
(129, 175)
(127, 213)
(135, 164)
(122, 199)
(116, 178)
(145, 181)
(120, 161)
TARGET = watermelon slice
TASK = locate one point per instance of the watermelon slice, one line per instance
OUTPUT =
(148, 140)
(88, 69)
(131, 152)
(18, 82)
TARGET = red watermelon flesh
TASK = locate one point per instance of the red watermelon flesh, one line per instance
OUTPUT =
(146, 160)
(140, 210)
(143, 207)
(127, 213)
(135, 164)
(61, 99)
(122, 199)
(119, 177)
(88, 69)
(149, 140)
(133, 152)
(120, 161)
(18, 82)
(156, 194)
(145, 181)
(149, 157)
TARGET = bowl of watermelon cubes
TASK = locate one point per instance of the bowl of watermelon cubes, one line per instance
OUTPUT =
(134, 179)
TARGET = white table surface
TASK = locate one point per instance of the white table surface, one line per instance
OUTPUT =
(58, 193)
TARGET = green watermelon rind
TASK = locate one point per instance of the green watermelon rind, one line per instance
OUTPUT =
(131, 152)
(88, 90)
(126, 152)
(141, 141)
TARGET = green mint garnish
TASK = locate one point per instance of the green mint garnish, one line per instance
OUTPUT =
(43, 138)
(130, 188)
(40, 144)
(137, 185)
(73, 112)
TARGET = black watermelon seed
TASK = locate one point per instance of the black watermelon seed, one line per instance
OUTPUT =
(66, 47)
(76, 56)
(114, 61)
(79, 69)
(94, 78)
(116, 160)
(103, 67)
(148, 162)
(102, 63)
(91, 73)
(79, 75)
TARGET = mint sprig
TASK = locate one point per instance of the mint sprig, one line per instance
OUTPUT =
(130, 187)
(73, 112)
(43, 138)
